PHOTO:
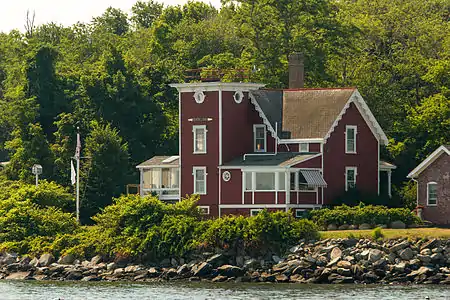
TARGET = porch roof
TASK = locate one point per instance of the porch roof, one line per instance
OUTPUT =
(281, 159)
(385, 166)
(160, 161)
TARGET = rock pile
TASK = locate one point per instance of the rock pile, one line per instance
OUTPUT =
(326, 261)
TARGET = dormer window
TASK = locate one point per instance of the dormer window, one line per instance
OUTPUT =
(350, 139)
(199, 139)
(259, 137)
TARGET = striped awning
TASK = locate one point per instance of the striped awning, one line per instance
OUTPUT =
(313, 178)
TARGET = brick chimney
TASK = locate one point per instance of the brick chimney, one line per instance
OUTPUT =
(296, 71)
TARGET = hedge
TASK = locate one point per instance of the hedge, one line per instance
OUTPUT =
(357, 215)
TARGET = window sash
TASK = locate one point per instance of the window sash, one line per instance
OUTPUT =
(199, 138)
(248, 181)
(350, 177)
(303, 147)
(259, 137)
(432, 194)
(281, 181)
(350, 139)
(200, 181)
(264, 181)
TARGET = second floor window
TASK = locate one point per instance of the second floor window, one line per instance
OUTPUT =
(259, 138)
(350, 138)
(199, 138)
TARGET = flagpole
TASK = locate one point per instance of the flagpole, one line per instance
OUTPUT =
(77, 157)
(78, 189)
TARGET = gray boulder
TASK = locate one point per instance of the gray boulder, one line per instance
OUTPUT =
(365, 226)
(332, 227)
(34, 262)
(399, 246)
(18, 276)
(46, 260)
(66, 259)
(216, 260)
(335, 253)
(406, 254)
(96, 260)
(8, 258)
(230, 271)
(202, 269)
(398, 225)
(374, 255)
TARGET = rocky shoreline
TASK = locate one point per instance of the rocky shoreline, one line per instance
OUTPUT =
(327, 261)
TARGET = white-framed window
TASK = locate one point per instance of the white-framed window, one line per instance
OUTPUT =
(248, 181)
(204, 210)
(350, 177)
(199, 132)
(199, 174)
(432, 193)
(254, 212)
(350, 139)
(303, 147)
(259, 138)
(294, 181)
(264, 181)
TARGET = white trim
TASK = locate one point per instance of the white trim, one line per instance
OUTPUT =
(300, 148)
(179, 141)
(262, 206)
(263, 116)
(238, 96)
(141, 182)
(355, 131)
(243, 187)
(255, 127)
(195, 179)
(428, 193)
(296, 141)
(215, 86)
(220, 126)
(255, 211)
(367, 115)
(428, 161)
(199, 96)
(355, 169)
(156, 166)
(204, 207)
(194, 132)
(323, 169)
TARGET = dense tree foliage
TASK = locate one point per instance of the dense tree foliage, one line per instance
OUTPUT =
(111, 76)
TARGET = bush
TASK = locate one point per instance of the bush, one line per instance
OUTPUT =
(377, 233)
(370, 214)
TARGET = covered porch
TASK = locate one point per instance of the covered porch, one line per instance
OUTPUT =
(387, 168)
(160, 176)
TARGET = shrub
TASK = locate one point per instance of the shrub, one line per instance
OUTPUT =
(377, 233)
(340, 215)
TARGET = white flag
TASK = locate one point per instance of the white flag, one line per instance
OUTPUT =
(73, 173)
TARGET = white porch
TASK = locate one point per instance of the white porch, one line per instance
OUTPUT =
(160, 176)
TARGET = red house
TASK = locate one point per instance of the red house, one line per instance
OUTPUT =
(244, 148)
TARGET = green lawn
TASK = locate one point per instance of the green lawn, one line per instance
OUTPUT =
(390, 233)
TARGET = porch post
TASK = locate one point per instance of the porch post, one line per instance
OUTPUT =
(287, 187)
(389, 173)
(141, 182)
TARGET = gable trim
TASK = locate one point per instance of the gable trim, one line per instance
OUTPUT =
(428, 161)
(366, 114)
(263, 117)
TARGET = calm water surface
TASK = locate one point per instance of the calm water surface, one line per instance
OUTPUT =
(26, 290)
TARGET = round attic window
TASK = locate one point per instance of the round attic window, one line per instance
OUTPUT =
(226, 176)
(199, 96)
(238, 96)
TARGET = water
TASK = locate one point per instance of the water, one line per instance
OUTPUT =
(27, 290)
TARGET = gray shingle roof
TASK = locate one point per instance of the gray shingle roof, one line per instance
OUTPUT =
(159, 161)
(282, 159)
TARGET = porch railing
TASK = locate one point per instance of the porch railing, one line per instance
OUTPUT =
(164, 193)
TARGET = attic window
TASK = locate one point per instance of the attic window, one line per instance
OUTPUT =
(350, 139)
(259, 137)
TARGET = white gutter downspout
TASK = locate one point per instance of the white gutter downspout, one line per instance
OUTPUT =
(276, 145)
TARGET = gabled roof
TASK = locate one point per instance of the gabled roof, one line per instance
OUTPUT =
(305, 114)
(169, 161)
(429, 160)
(309, 113)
